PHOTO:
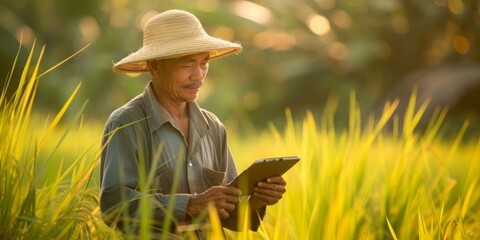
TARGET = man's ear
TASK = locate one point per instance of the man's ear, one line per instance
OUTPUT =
(152, 66)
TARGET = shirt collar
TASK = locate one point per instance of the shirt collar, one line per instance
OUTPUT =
(158, 115)
(197, 119)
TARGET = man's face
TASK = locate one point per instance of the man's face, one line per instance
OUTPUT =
(179, 79)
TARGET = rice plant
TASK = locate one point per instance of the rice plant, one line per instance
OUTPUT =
(367, 182)
(361, 182)
(42, 194)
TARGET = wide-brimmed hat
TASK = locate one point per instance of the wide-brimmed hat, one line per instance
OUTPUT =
(174, 33)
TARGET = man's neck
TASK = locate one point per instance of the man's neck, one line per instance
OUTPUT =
(178, 110)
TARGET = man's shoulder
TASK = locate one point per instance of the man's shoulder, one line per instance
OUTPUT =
(210, 116)
(132, 111)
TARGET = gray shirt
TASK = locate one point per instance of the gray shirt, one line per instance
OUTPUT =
(142, 141)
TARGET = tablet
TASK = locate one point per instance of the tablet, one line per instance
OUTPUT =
(262, 169)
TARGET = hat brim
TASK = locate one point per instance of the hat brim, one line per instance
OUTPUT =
(137, 61)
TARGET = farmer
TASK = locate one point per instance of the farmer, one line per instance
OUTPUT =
(162, 135)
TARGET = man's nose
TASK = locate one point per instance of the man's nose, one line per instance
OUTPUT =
(198, 73)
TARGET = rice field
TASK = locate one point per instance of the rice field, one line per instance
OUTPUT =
(362, 182)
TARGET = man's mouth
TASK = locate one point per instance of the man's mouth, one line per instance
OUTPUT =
(194, 85)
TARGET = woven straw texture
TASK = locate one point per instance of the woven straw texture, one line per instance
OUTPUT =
(174, 33)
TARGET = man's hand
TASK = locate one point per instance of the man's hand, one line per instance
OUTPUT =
(268, 192)
(224, 199)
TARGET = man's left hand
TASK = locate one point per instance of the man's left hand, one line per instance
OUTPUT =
(268, 192)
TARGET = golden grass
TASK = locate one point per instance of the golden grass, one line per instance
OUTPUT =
(359, 183)
(35, 205)
(368, 183)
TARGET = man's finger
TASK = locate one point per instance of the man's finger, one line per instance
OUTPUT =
(274, 187)
(268, 192)
(232, 191)
(231, 199)
(222, 213)
(229, 207)
(221, 204)
(277, 179)
(267, 199)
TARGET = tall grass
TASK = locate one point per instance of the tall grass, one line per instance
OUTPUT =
(42, 194)
(363, 182)
(369, 183)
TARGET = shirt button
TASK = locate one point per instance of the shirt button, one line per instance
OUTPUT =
(190, 164)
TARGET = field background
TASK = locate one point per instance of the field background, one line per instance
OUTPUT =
(349, 185)
(360, 183)
(380, 98)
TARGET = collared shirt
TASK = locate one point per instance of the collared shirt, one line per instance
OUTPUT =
(142, 141)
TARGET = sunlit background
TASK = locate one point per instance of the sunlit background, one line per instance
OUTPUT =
(298, 54)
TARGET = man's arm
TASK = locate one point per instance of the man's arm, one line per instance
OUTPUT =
(124, 158)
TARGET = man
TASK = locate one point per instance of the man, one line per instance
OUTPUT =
(163, 146)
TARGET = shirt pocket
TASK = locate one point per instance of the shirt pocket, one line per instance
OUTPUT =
(164, 181)
(212, 177)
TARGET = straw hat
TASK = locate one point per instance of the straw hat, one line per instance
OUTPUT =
(174, 33)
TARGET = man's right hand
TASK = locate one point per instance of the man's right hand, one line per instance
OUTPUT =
(223, 198)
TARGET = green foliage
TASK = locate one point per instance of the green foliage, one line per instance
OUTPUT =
(297, 54)
(32, 207)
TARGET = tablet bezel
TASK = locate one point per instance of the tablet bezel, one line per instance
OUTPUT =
(262, 169)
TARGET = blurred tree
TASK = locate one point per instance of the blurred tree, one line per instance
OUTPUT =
(296, 54)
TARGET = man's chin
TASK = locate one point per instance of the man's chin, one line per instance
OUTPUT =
(191, 97)
(192, 94)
